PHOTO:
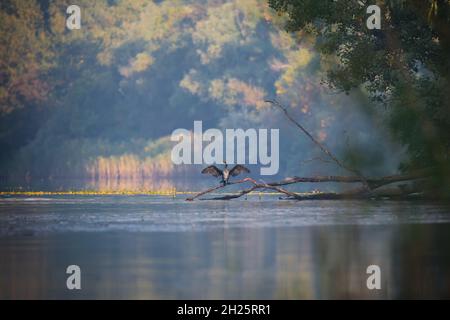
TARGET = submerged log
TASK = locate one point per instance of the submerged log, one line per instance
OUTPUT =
(219, 187)
(368, 189)
(373, 182)
(357, 193)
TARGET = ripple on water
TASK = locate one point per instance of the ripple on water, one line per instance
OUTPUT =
(31, 215)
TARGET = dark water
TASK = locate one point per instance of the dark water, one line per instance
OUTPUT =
(158, 247)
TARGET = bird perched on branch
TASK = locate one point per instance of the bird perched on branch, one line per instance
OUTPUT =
(225, 173)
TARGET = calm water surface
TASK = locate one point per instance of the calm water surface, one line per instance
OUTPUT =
(151, 247)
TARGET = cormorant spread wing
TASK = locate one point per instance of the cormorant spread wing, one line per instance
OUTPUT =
(238, 169)
(212, 170)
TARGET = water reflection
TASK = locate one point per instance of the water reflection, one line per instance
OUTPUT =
(286, 262)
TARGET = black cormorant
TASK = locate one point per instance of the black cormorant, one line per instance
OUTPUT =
(225, 173)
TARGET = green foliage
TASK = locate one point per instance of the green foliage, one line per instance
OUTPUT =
(405, 66)
(103, 99)
(25, 55)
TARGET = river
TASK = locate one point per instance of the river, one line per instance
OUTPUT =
(159, 247)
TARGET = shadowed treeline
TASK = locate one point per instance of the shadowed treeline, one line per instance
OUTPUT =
(101, 102)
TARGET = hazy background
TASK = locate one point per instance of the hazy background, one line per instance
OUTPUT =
(100, 103)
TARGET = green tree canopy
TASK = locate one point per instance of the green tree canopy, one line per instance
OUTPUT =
(404, 66)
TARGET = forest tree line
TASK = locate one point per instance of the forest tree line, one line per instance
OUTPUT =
(101, 101)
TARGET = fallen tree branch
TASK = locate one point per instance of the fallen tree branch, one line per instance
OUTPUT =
(314, 159)
(359, 193)
(295, 196)
(354, 194)
(362, 194)
(320, 145)
(255, 187)
(369, 184)
(219, 187)
(373, 182)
